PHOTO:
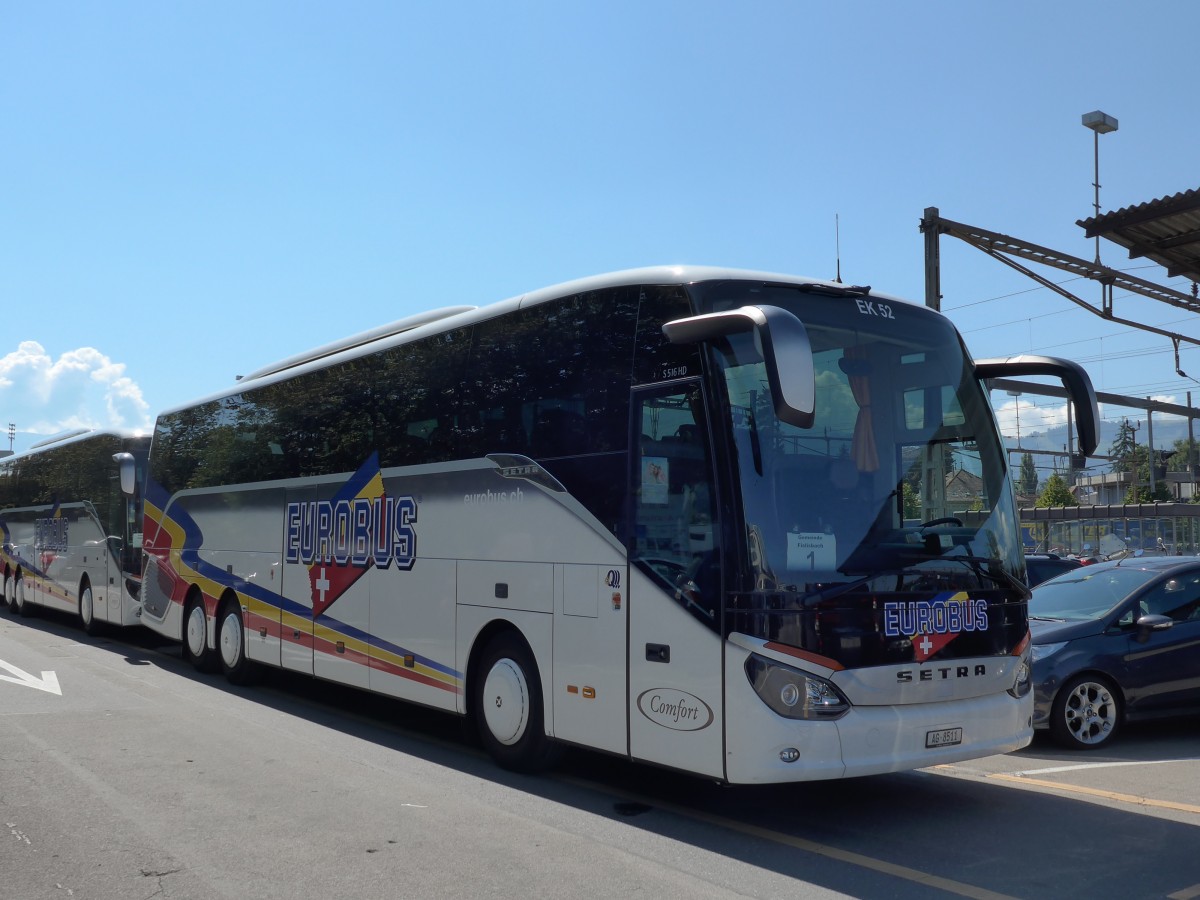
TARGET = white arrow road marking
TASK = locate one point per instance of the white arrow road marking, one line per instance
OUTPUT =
(48, 682)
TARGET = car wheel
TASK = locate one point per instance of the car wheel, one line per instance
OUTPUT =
(1086, 713)
(507, 706)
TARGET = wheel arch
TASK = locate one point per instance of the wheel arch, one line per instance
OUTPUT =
(477, 627)
(229, 597)
(482, 639)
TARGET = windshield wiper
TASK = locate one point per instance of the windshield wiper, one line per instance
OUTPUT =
(844, 587)
(975, 563)
(1005, 578)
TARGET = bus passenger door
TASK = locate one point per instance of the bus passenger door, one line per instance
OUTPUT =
(675, 648)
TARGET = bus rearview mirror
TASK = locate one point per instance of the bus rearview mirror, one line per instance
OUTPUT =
(1074, 378)
(782, 340)
(127, 468)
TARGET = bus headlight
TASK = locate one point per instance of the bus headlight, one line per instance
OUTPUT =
(793, 693)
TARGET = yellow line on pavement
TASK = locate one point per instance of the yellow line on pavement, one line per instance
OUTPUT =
(1096, 792)
(847, 856)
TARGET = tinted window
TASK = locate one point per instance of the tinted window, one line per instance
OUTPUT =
(552, 380)
(657, 358)
(78, 472)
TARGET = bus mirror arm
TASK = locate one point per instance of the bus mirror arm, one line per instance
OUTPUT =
(1074, 378)
(782, 340)
(128, 471)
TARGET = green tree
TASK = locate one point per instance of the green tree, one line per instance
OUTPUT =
(1056, 493)
(1130, 456)
(1182, 458)
(1027, 481)
(1123, 448)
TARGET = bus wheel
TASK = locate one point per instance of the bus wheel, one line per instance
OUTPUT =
(231, 639)
(6, 600)
(195, 636)
(507, 706)
(87, 611)
(20, 602)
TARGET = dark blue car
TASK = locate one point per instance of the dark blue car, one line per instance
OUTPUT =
(1115, 642)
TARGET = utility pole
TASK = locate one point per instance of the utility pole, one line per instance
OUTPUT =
(1150, 446)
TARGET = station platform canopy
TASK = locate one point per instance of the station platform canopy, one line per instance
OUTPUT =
(1165, 231)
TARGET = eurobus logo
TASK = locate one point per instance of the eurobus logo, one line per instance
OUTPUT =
(358, 532)
(931, 624)
(339, 539)
(51, 534)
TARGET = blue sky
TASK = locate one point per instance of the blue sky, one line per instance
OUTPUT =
(192, 190)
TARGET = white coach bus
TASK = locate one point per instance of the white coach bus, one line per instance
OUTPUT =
(71, 531)
(693, 517)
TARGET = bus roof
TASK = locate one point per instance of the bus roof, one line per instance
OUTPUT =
(357, 340)
(446, 318)
(74, 437)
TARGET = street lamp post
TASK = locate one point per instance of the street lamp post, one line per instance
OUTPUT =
(1100, 123)
(1016, 395)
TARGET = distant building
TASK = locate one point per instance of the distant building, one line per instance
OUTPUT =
(1112, 487)
(963, 487)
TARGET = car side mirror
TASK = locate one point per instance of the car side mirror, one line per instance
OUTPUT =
(1147, 625)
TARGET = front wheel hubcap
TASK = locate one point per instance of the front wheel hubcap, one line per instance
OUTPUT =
(506, 702)
(1091, 713)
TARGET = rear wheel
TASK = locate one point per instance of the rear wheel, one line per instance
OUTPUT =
(6, 600)
(20, 602)
(87, 611)
(507, 706)
(231, 642)
(195, 635)
(1086, 713)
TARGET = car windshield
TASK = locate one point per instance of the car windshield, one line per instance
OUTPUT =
(1086, 593)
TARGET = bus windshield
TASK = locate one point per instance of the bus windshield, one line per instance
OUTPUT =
(902, 471)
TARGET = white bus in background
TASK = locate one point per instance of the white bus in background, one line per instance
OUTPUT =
(692, 517)
(71, 531)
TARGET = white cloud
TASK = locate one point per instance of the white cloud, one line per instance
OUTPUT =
(1034, 415)
(83, 388)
